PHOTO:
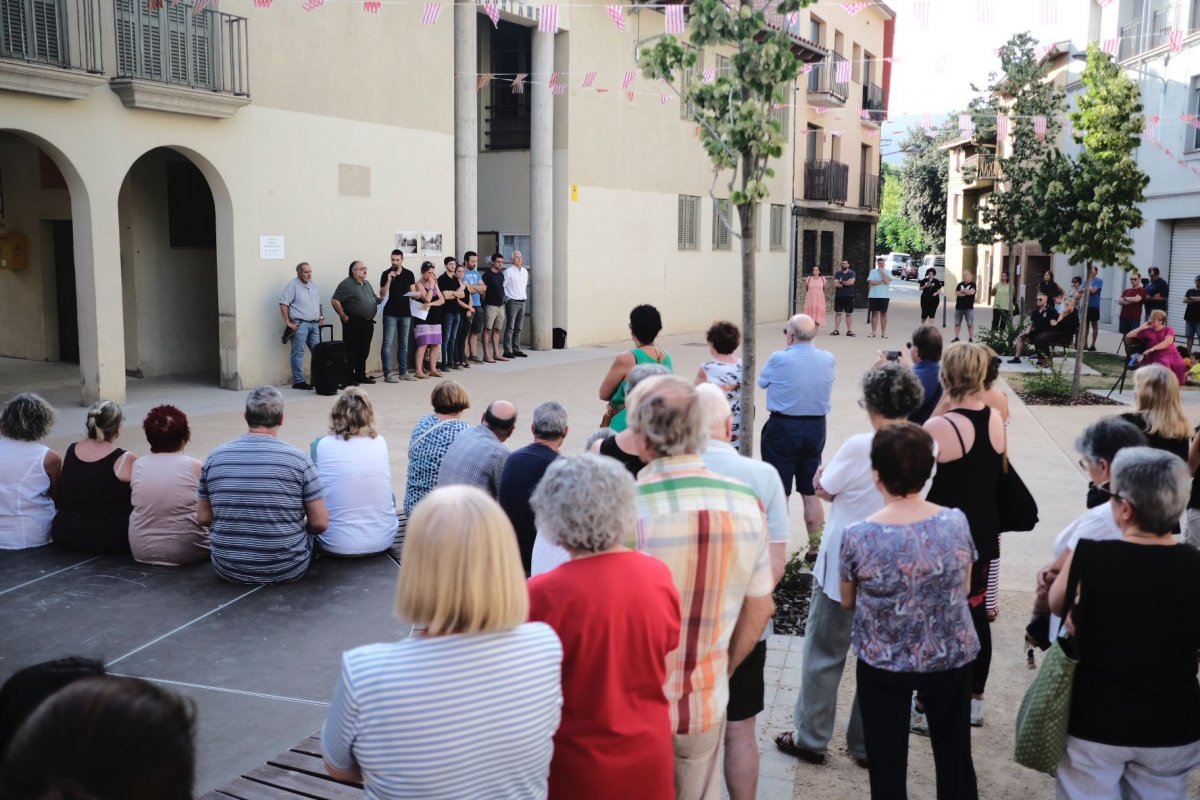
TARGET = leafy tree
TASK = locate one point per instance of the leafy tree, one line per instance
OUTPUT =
(895, 232)
(923, 178)
(1023, 91)
(737, 125)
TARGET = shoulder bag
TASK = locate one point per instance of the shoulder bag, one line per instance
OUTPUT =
(1016, 510)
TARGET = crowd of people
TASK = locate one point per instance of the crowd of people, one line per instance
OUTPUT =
(619, 648)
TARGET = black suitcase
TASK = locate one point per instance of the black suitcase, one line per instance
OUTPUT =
(330, 369)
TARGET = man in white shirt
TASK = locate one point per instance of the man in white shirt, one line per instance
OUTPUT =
(516, 287)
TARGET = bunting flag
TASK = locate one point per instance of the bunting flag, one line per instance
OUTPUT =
(966, 126)
(1001, 128)
(864, 114)
(1039, 127)
(1103, 3)
(927, 122)
(843, 72)
(548, 22)
(493, 13)
(941, 64)
(519, 83)
(369, 6)
(156, 5)
(835, 133)
(921, 12)
(629, 96)
(1049, 12)
(663, 99)
(558, 89)
(601, 90)
(588, 79)
(807, 68)
(793, 21)
(1067, 128)
(482, 81)
(1043, 51)
(1110, 46)
(432, 12)
(1151, 129)
(627, 81)
(617, 16)
(200, 5)
(709, 75)
(553, 79)
(822, 109)
(983, 11)
(675, 21)
(854, 8)
(1175, 40)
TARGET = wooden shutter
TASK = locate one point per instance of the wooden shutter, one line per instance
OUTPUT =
(720, 231)
(150, 54)
(686, 222)
(1183, 268)
(13, 35)
(687, 109)
(202, 40)
(776, 227)
(47, 32)
(681, 224)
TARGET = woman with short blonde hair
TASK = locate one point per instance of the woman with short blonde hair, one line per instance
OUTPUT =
(1158, 344)
(466, 706)
(1157, 411)
(356, 472)
(964, 370)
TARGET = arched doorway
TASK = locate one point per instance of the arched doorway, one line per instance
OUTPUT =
(169, 269)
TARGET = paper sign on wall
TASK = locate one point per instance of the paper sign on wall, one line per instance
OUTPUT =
(270, 248)
(574, 192)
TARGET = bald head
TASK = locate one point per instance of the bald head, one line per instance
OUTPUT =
(501, 418)
(718, 416)
(802, 328)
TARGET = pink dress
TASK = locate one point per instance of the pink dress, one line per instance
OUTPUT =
(1169, 356)
(814, 301)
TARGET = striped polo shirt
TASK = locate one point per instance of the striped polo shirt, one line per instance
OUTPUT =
(257, 486)
(711, 533)
(459, 716)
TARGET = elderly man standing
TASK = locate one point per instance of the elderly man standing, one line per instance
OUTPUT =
(746, 686)
(355, 303)
(516, 287)
(799, 384)
(300, 307)
(524, 470)
(478, 455)
(262, 499)
(711, 533)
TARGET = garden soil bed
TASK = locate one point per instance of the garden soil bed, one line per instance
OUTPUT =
(1085, 399)
(791, 605)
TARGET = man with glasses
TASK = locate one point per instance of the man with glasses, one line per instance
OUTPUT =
(799, 384)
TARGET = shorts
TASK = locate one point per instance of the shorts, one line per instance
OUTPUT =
(1191, 328)
(1093, 314)
(964, 313)
(746, 687)
(793, 447)
(879, 304)
(477, 321)
(843, 305)
(493, 318)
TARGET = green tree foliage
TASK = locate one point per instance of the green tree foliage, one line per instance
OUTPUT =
(737, 125)
(894, 232)
(923, 178)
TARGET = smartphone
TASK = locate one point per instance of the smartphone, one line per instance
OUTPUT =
(892, 355)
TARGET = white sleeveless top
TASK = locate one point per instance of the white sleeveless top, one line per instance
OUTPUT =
(163, 528)
(357, 477)
(26, 509)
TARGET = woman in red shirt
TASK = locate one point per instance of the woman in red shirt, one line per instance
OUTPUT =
(617, 614)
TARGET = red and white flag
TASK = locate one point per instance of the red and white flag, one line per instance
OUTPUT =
(835, 133)
(482, 81)
(1110, 46)
(588, 79)
(709, 75)
(627, 81)
(1049, 12)
(200, 5)
(553, 80)
(519, 83)
(1175, 40)
(807, 68)
(1043, 51)
(1103, 3)
(663, 99)
(983, 11)
(1151, 130)
(864, 114)
(921, 12)
(793, 21)
(257, 3)
(854, 8)
(369, 6)
(548, 22)
(617, 16)
(493, 13)
(1039, 127)
(1001, 128)
(843, 72)
(675, 21)
(629, 96)
(155, 5)
(822, 109)
(966, 125)
(432, 12)
(558, 88)
(927, 121)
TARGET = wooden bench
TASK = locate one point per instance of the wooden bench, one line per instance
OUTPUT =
(295, 774)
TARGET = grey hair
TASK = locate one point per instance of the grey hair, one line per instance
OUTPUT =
(713, 405)
(668, 414)
(1156, 483)
(264, 407)
(891, 391)
(1107, 436)
(26, 417)
(103, 421)
(597, 435)
(585, 503)
(549, 421)
(642, 371)
(301, 266)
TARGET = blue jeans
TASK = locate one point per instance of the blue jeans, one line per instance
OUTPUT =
(308, 333)
(451, 325)
(514, 313)
(393, 328)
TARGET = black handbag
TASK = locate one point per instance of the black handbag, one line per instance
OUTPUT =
(1015, 507)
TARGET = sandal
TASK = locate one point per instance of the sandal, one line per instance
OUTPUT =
(849, 333)
(435, 373)
(785, 743)
(835, 333)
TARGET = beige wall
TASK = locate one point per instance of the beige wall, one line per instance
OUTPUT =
(504, 191)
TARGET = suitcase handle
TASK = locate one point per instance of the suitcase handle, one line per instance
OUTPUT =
(322, 328)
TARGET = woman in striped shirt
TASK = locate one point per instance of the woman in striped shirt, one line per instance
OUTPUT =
(468, 705)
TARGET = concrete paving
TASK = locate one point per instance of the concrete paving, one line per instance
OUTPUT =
(260, 663)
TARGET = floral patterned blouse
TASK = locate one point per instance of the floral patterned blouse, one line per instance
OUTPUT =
(724, 375)
(431, 438)
(911, 612)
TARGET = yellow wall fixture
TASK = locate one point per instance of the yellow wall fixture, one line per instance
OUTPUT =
(13, 251)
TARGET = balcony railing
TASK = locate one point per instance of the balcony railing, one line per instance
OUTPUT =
(1162, 22)
(977, 169)
(207, 51)
(1131, 40)
(873, 101)
(826, 180)
(824, 78)
(56, 33)
(870, 189)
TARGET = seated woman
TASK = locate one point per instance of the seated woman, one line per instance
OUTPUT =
(1134, 724)
(1061, 333)
(905, 571)
(1158, 412)
(162, 528)
(617, 614)
(432, 437)
(29, 473)
(104, 737)
(466, 706)
(357, 475)
(644, 326)
(94, 496)
(1158, 345)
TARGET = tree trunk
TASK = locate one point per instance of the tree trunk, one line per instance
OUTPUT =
(1024, 277)
(746, 216)
(1081, 337)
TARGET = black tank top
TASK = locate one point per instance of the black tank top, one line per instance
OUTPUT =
(608, 447)
(93, 506)
(969, 483)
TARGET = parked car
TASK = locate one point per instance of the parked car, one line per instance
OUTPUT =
(912, 271)
(936, 262)
(898, 263)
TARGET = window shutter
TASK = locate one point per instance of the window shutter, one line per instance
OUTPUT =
(691, 214)
(47, 32)
(202, 50)
(687, 109)
(681, 224)
(150, 64)
(12, 28)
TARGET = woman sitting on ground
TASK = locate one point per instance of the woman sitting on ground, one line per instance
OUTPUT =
(94, 501)
(29, 473)
(432, 437)
(466, 706)
(617, 614)
(725, 369)
(357, 475)
(644, 326)
(1134, 725)
(1158, 345)
(621, 446)
(1157, 410)
(162, 528)
(905, 571)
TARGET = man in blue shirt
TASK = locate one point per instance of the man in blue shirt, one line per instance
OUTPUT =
(799, 384)
(468, 345)
(926, 351)
(1093, 305)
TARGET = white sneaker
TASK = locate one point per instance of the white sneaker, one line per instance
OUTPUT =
(917, 723)
(976, 713)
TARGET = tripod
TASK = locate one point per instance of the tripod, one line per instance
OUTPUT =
(1134, 360)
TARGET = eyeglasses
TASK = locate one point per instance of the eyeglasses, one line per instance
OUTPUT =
(1111, 495)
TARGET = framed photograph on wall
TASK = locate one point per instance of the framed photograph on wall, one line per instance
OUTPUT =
(406, 242)
(431, 243)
